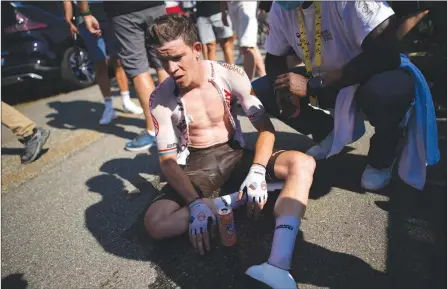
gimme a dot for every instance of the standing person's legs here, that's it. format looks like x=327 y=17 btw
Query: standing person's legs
x=130 y=30
x=26 y=131
x=385 y=99
x=121 y=78
x=155 y=63
x=17 y=122
x=96 y=48
x=207 y=37
x=227 y=45
x=247 y=32
x=224 y=35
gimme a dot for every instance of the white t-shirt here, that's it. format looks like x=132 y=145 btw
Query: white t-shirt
x=344 y=26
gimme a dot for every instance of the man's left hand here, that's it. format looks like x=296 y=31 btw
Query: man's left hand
x=92 y=25
x=256 y=187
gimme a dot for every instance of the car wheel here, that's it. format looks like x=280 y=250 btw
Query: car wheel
x=77 y=69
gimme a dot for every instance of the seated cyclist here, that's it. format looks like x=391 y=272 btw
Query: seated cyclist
x=192 y=114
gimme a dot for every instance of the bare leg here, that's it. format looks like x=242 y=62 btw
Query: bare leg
x=205 y=51
x=227 y=45
x=162 y=75
x=144 y=86
x=165 y=218
x=297 y=169
x=260 y=67
x=121 y=78
x=102 y=78
x=211 y=47
x=249 y=61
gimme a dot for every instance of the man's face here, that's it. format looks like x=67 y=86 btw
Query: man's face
x=180 y=60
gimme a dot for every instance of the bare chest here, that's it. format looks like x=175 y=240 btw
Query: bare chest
x=204 y=107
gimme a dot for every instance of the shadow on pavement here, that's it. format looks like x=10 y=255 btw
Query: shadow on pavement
x=16 y=151
x=109 y=219
x=417 y=227
x=14 y=281
x=32 y=90
x=416 y=230
x=225 y=267
x=12 y=151
x=83 y=114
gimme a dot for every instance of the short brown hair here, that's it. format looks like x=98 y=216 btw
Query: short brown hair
x=170 y=27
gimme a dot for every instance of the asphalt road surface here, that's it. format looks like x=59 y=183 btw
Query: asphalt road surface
x=72 y=219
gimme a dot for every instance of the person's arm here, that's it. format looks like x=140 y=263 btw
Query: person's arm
x=167 y=148
x=409 y=23
x=90 y=21
x=83 y=6
x=276 y=44
x=372 y=25
x=240 y=87
x=274 y=66
x=68 y=13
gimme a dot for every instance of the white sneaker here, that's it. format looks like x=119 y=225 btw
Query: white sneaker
x=131 y=107
x=272 y=276
x=321 y=150
x=107 y=116
x=375 y=179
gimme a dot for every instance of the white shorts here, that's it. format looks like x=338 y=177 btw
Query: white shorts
x=245 y=23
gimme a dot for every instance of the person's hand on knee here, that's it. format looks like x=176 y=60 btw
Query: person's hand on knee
x=254 y=189
x=200 y=217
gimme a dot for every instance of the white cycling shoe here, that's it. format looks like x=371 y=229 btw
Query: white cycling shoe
x=272 y=276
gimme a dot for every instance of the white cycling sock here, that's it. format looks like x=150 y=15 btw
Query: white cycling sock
x=229 y=201
x=283 y=244
x=151 y=132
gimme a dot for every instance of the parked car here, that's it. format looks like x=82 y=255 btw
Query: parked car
x=36 y=44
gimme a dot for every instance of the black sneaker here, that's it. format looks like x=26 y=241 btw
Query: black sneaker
x=33 y=145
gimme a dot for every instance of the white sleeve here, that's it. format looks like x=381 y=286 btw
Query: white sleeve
x=276 y=42
x=240 y=87
x=362 y=17
x=161 y=112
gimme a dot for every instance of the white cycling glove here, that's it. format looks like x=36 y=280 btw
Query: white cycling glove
x=255 y=185
x=199 y=215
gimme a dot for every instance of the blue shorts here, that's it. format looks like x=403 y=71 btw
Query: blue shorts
x=99 y=47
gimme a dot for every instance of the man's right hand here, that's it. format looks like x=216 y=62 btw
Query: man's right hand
x=92 y=25
x=200 y=216
x=73 y=29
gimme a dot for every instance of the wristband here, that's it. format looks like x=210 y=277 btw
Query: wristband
x=260 y=165
x=194 y=200
x=86 y=13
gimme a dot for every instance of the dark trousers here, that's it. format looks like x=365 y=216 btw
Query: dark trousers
x=384 y=98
